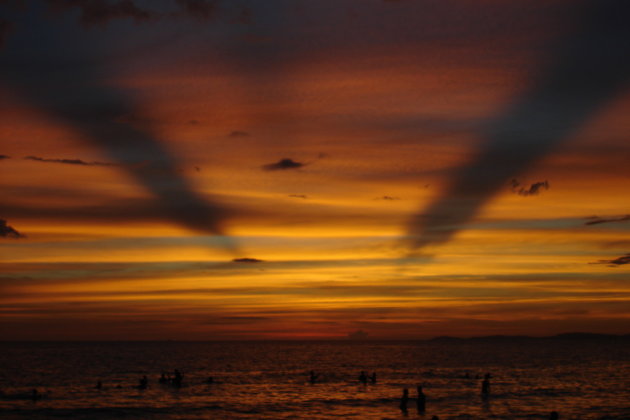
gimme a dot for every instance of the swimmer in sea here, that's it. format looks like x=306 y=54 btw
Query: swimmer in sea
x=144 y=382
x=485 y=386
x=363 y=377
x=421 y=400
x=404 y=400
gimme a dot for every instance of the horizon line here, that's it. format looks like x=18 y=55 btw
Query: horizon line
x=574 y=334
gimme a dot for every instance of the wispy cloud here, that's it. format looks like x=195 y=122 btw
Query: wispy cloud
x=70 y=161
x=247 y=260
x=533 y=189
x=283 y=164
x=302 y=196
x=115 y=210
x=7 y=231
x=595 y=220
x=615 y=262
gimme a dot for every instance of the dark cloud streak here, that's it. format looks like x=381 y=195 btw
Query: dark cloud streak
x=615 y=262
x=7 y=231
x=76 y=94
x=283 y=164
x=588 y=70
x=70 y=161
x=533 y=189
x=595 y=220
x=247 y=260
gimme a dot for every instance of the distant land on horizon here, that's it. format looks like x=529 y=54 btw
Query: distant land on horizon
x=563 y=336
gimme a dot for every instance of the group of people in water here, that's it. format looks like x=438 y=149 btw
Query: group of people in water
x=166 y=379
x=421 y=399
x=363 y=378
x=175 y=380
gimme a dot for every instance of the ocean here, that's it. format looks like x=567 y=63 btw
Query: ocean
x=578 y=378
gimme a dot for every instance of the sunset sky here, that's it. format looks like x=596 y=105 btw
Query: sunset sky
x=299 y=169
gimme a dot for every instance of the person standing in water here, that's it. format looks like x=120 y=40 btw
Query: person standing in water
x=404 y=400
x=373 y=378
x=177 y=378
x=485 y=386
x=421 y=400
x=363 y=377
x=35 y=395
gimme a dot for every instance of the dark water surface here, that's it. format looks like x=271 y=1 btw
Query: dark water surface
x=580 y=379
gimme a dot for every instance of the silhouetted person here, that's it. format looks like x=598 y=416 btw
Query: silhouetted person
x=99 y=385
x=144 y=382
x=363 y=377
x=210 y=380
x=312 y=377
x=485 y=386
x=177 y=378
x=373 y=378
x=35 y=395
x=404 y=400
x=554 y=415
x=163 y=379
x=421 y=400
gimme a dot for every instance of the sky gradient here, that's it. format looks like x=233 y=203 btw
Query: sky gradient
x=296 y=169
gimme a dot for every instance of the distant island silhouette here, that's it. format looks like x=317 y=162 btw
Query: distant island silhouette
x=562 y=336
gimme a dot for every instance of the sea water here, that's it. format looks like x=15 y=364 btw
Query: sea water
x=580 y=379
